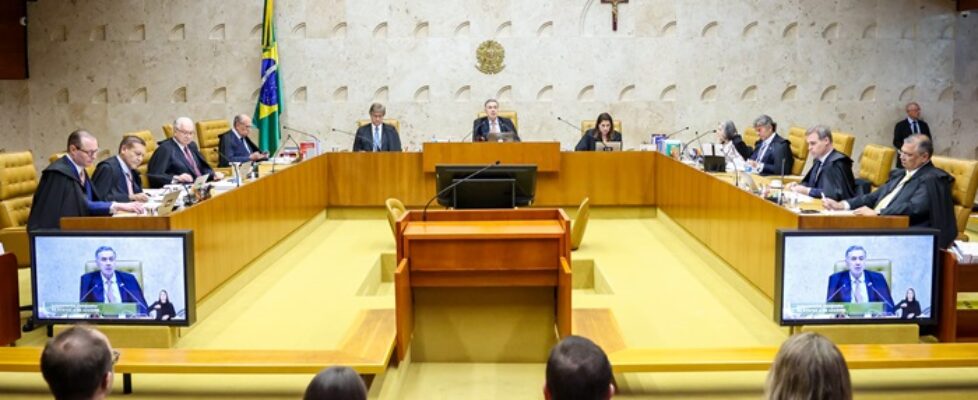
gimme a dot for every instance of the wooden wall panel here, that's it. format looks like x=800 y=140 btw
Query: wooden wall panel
x=368 y=179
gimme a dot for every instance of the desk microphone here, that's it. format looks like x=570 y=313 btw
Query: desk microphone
x=233 y=164
x=424 y=212
x=123 y=287
x=698 y=136
x=467 y=135
x=308 y=135
x=568 y=123
x=368 y=139
x=870 y=285
x=82 y=298
x=677 y=132
x=280 y=147
x=828 y=299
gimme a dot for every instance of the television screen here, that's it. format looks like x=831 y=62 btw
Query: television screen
x=856 y=276
x=521 y=192
x=139 y=278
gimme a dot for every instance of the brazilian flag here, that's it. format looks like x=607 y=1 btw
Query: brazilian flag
x=269 y=106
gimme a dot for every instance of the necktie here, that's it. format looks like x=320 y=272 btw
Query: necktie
x=377 y=138
x=191 y=161
x=818 y=170
x=129 y=182
x=109 y=296
x=244 y=142
x=760 y=154
x=81 y=177
x=890 y=196
x=857 y=293
x=494 y=126
x=916 y=129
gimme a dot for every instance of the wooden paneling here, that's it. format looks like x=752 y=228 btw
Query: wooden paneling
x=13 y=47
x=367 y=179
x=546 y=155
x=9 y=300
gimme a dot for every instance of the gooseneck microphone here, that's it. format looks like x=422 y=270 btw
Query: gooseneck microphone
x=828 y=299
x=698 y=136
x=123 y=287
x=677 y=132
x=368 y=139
x=308 y=135
x=424 y=212
x=882 y=297
x=280 y=147
x=568 y=123
x=82 y=298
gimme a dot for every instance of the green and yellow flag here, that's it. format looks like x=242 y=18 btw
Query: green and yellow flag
x=270 y=105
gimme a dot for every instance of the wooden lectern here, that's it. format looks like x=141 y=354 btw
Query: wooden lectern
x=481 y=249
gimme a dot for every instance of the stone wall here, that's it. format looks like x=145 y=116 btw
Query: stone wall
x=118 y=66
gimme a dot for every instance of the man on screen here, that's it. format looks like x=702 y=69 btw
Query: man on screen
x=492 y=123
x=858 y=285
x=110 y=286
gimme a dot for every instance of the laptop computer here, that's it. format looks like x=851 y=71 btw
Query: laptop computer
x=507 y=136
x=166 y=205
x=607 y=146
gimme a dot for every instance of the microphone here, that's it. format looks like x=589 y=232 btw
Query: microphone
x=827 y=299
x=698 y=136
x=355 y=137
x=123 y=287
x=82 y=298
x=306 y=134
x=870 y=285
x=280 y=147
x=232 y=164
x=568 y=123
x=467 y=135
x=424 y=212
x=677 y=132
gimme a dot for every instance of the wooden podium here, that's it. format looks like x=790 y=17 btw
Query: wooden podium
x=546 y=155
x=481 y=249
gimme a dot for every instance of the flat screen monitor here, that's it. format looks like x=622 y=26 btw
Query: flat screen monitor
x=524 y=178
x=856 y=276
x=123 y=278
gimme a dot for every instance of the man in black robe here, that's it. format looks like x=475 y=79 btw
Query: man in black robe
x=831 y=172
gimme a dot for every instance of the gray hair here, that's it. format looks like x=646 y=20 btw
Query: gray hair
x=377 y=108
x=181 y=121
x=924 y=145
x=490 y=101
x=765 y=120
x=823 y=132
x=728 y=129
x=238 y=119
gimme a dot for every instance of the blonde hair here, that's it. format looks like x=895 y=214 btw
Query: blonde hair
x=808 y=366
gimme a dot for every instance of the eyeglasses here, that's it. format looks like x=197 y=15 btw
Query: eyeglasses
x=902 y=154
x=115 y=356
x=175 y=129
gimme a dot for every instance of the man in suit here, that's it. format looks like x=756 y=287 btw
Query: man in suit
x=65 y=189
x=377 y=136
x=578 y=369
x=909 y=126
x=78 y=363
x=116 y=178
x=920 y=191
x=110 y=286
x=236 y=146
x=178 y=160
x=831 y=172
x=858 y=285
x=492 y=123
x=772 y=153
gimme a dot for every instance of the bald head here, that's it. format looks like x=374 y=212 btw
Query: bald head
x=78 y=364
x=242 y=124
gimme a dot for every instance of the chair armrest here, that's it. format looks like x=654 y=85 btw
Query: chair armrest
x=15 y=240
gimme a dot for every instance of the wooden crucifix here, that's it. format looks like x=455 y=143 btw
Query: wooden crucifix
x=614 y=12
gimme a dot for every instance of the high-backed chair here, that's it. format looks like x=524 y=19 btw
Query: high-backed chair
x=799 y=149
x=589 y=124
x=395 y=208
x=151 y=146
x=843 y=142
x=168 y=130
x=207 y=138
x=511 y=115
x=579 y=225
x=18 y=181
x=874 y=166
x=750 y=137
x=390 y=121
x=965 y=173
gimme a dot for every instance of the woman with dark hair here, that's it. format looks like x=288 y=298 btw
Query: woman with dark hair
x=731 y=141
x=163 y=307
x=603 y=131
x=336 y=383
x=909 y=307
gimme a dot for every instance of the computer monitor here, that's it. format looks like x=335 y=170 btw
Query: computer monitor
x=856 y=277
x=506 y=136
x=130 y=278
x=607 y=146
x=523 y=176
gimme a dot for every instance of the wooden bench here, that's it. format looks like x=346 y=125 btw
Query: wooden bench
x=367 y=349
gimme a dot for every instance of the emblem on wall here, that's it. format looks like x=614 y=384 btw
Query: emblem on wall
x=490 y=56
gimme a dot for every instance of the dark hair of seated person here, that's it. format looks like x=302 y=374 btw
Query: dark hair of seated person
x=336 y=383
x=808 y=366
x=578 y=370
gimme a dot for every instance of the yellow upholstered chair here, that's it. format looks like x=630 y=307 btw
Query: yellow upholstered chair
x=168 y=130
x=580 y=223
x=91 y=168
x=799 y=149
x=589 y=124
x=151 y=146
x=965 y=173
x=875 y=163
x=390 y=121
x=395 y=208
x=511 y=115
x=843 y=142
x=750 y=137
x=18 y=181
x=882 y=266
x=207 y=138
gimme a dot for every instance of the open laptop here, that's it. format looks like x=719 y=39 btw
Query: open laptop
x=166 y=205
x=607 y=146
x=507 y=136
x=747 y=180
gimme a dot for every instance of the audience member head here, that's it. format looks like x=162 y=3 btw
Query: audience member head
x=604 y=126
x=916 y=151
x=913 y=110
x=819 y=138
x=242 y=124
x=183 y=130
x=492 y=108
x=336 y=383
x=82 y=148
x=727 y=131
x=856 y=260
x=765 y=126
x=77 y=364
x=578 y=369
x=377 y=112
x=132 y=150
x=808 y=366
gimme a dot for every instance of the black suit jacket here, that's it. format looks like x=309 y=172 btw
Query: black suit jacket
x=168 y=161
x=60 y=193
x=742 y=148
x=779 y=151
x=902 y=130
x=835 y=180
x=589 y=142
x=364 y=140
x=110 y=182
x=480 y=128
x=231 y=149
x=925 y=198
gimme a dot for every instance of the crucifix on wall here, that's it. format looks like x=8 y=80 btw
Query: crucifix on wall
x=614 y=11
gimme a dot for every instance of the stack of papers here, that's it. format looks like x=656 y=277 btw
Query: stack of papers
x=966 y=252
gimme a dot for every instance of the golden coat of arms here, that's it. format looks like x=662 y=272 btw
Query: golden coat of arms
x=490 y=56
